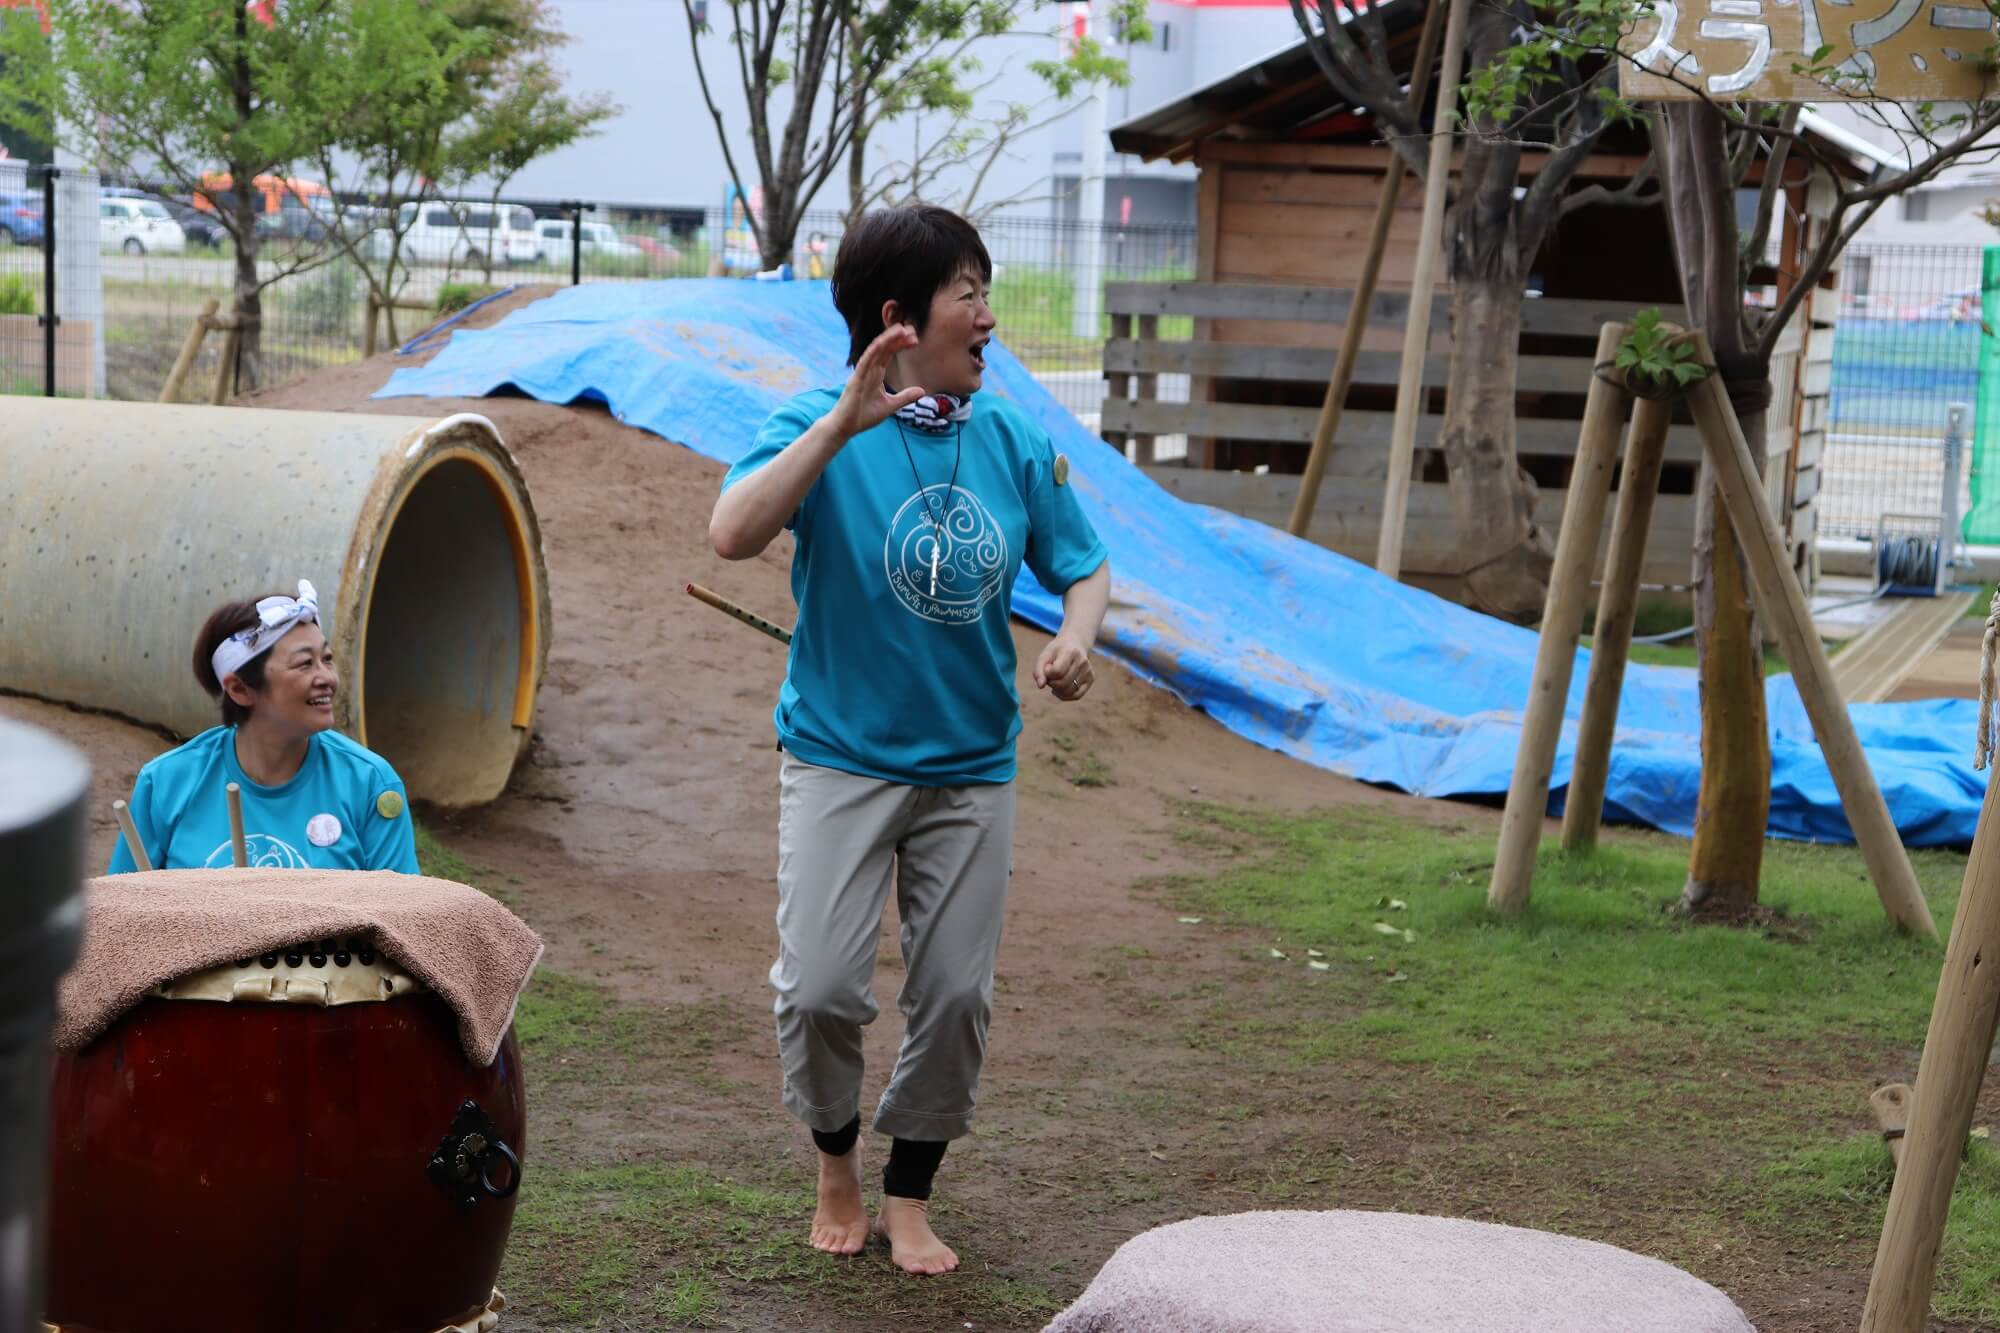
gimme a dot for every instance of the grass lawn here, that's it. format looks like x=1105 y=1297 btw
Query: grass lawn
x=1601 y=1019
x=1597 y=1066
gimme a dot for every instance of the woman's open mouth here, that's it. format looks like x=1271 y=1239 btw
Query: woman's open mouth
x=979 y=354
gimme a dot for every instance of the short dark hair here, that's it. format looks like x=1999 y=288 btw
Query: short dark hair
x=905 y=255
x=225 y=620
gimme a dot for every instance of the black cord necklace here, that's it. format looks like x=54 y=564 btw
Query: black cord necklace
x=936 y=517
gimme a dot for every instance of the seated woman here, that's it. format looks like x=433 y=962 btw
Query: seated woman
x=311 y=797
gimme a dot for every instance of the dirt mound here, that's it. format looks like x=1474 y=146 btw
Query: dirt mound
x=639 y=834
x=654 y=763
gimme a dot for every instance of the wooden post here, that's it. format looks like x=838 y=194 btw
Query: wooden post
x=1617 y=607
x=368 y=334
x=1118 y=383
x=1782 y=605
x=1956 y=1049
x=1146 y=387
x=1417 y=332
x=1891 y=1103
x=1562 y=621
x=1364 y=296
x=190 y=347
x=223 y=372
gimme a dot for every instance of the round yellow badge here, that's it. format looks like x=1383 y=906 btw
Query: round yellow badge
x=1062 y=469
x=389 y=804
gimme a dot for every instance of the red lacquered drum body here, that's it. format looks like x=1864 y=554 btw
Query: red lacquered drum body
x=269 y=1166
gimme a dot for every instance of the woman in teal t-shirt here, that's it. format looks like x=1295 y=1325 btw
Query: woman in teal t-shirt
x=311 y=797
x=915 y=501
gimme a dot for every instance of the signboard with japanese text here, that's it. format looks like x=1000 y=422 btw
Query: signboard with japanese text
x=1746 y=51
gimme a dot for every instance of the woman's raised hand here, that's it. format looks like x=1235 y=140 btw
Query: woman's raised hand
x=866 y=402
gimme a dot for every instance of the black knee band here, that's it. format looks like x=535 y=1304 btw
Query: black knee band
x=840 y=1142
x=913 y=1164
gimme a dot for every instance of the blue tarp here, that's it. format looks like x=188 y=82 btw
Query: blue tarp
x=1281 y=641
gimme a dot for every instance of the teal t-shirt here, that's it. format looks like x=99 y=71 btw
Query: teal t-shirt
x=345 y=809
x=888 y=679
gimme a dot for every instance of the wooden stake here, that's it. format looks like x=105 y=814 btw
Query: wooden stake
x=1417 y=332
x=1364 y=295
x=1617 y=607
x=131 y=831
x=368 y=336
x=1891 y=1103
x=239 y=849
x=1956 y=1049
x=1782 y=604
x=1562 y=621
x=190 y=346
x=223 y=372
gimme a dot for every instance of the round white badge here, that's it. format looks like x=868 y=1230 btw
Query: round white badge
x=322 y=830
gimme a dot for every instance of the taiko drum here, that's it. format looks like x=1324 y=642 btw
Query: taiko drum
x=296 y=1142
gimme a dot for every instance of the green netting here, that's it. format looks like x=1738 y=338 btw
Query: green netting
x=1982 y=521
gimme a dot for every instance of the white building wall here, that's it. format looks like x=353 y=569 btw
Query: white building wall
x=662 y=147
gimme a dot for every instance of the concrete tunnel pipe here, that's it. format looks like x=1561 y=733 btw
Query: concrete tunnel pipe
x=127 y=523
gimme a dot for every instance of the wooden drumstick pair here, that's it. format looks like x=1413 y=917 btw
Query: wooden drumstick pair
x=239 y=849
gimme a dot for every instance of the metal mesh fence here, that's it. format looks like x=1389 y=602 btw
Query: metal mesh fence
x=138 y=263
x=134 y=266
x=1905 y=348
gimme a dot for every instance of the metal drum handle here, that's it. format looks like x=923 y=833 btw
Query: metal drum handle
x=463 y=1164
x=506 y=1191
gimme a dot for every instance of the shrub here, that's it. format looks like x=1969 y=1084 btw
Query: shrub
x=454 y=296
x=17 y=294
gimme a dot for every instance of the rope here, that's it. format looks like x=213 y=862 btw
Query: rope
x=1983 y=749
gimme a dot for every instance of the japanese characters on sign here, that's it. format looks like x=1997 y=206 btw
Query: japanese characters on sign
x=1745 y=51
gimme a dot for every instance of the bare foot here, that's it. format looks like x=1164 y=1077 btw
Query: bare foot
x=841 y=1224
x=906 y=1224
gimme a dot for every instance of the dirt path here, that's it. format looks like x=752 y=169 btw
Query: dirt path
x=638 y=838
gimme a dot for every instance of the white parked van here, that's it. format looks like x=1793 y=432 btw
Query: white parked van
x=462 y=232
x=552 y=237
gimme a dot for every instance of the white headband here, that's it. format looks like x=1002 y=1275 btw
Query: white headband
x=275 y=618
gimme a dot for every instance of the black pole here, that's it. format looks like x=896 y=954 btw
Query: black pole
x=49 y=321
x=575 y=242
x=43 y=785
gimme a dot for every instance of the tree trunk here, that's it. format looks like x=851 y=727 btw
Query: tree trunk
x=1505 y=557
x=1734 y=805
x=1735 y=800
x=247 y=302
x=857 y=177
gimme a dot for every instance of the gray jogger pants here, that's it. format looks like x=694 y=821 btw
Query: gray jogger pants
x=842 y=838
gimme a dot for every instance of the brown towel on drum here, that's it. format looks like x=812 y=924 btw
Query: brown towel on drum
x=141 y=930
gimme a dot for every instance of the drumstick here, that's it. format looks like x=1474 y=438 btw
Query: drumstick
x=131 y=832
x=727 y=607
x=237 y=847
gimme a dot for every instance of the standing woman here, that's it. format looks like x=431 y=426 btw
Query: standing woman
x=311 y=797
x=913 y=507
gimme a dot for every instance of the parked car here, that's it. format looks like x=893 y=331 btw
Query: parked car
x=461 y=232
x=600 y=239
x=20 y=219
x=662 y=255
x=138 y=227
x=310 y=218
x=201 y=229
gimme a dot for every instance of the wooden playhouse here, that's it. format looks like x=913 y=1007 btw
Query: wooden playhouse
x=1288 y=186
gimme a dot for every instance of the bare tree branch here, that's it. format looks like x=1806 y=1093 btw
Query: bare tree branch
x=721 y=130
x=1632 y=194
x=1767 y=192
